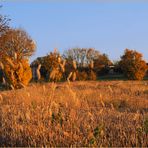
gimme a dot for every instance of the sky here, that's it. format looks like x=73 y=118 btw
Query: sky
x=107 y=26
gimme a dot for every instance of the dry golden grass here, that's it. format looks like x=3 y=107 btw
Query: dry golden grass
x=104 y=114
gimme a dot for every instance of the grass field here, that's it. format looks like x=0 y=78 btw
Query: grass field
x=102 y=113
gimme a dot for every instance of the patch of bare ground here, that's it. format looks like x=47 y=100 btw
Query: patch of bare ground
x=110 y=113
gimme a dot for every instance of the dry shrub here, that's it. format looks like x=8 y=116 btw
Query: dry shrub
x=18 y=74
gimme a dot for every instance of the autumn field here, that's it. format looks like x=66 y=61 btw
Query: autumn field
x=106 y=113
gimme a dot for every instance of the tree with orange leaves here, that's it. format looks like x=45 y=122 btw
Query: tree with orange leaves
x=15 y=49
x=132 y=64
x=54 y=65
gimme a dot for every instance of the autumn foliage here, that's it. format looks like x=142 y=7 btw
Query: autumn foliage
x=16 y=46
x=133 y=66
x=54 y=66
x=18 y=74
x=15 y=49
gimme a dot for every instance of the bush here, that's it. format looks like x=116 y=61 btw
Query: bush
x=55 y=66
x=92 y=75
x=132 y=64
x=18 y=74
x=82 y=76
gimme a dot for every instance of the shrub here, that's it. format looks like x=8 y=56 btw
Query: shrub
x=18 y=74
x=132 y=64
x=92 y=75
x=55 y=66
x=82 y=76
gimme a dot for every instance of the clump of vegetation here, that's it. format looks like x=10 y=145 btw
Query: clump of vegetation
x=133 y=66
x=92 y=76
x=145 y=125
x=55 y=66
x=16 y=47
x=83 y=58
x=18 y=74
x=101 y=64
x=91 y=72
x=71 y=70
x=82 y=76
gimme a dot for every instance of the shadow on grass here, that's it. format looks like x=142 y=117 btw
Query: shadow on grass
x=115 y=78
x=111 y=77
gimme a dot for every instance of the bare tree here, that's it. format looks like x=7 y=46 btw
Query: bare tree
x=82 y=56
x=4 y=23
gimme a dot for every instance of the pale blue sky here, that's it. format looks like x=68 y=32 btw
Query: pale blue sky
x=109 y=27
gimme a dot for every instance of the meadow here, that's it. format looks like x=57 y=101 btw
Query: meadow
x=90 y=113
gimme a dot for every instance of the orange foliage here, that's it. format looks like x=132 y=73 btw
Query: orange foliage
x=18 y=73
x=55 y=66
x=132 y=64
x=15 y=48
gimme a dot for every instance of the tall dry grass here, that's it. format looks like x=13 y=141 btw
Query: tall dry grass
x=77 y=114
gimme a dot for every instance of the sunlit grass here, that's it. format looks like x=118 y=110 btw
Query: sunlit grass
x=110 y=113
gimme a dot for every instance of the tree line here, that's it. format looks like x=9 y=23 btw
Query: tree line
x=16 y=47
x=89 y=64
